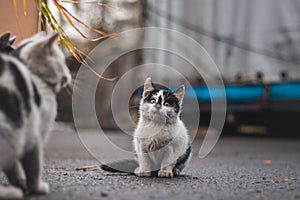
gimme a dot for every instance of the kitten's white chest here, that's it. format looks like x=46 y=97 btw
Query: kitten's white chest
x=153 y=138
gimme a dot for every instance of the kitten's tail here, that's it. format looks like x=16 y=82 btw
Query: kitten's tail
x=121 y=166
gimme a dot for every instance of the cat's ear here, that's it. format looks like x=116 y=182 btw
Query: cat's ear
x=148 y=87
x=179 y=93
x=12 y=40
x=4 y=39
x=52 y=39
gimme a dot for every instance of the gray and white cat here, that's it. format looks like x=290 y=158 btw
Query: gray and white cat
x=29 y=82
x=161 y=140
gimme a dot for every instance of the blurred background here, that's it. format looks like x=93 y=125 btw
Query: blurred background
x=254 y=43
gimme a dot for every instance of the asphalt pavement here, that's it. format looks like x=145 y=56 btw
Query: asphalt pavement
x=237 y=168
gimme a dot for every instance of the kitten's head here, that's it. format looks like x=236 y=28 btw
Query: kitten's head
x=45 y=59
x=160 y=106
x=6 y=43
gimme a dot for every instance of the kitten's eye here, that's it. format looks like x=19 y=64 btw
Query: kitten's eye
x=152 y=101
x=166 y=104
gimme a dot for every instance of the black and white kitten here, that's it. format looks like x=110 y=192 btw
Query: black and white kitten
x=161 y=140
x=30 y=78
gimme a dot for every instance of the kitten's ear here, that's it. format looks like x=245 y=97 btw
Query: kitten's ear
x=12 y=40
x=148 y=87
x=52 y=39
x=179 y=93
x=4 y=39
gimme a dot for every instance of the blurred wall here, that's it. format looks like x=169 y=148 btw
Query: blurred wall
x=242 y=36
x=17 y=23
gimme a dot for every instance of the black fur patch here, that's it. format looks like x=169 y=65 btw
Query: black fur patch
x=6 y=49
x=159 y=100
x=37 y=97
x=122 y=166
x=172 y=100
x=183 y=159
x=21 y=85
x=10 y=105
x=2 y=66
x=150 y=95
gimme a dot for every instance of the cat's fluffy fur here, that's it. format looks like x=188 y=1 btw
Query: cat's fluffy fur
x=160 y=138
x=29 y=82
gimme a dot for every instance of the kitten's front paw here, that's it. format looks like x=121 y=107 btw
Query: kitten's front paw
x=142 y=173
x=10 y=193
x=43 y=188
x=19 y=182
x=176 y=172
x=165 y=173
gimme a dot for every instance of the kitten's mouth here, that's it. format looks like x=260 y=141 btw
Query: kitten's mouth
x=156 y=112
x=157 y=116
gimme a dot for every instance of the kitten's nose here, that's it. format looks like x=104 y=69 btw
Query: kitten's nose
x=157 y=106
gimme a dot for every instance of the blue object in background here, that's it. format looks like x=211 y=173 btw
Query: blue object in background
x=204 y=94
x=285 y=91
x=246 y=92
x=233 y=92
